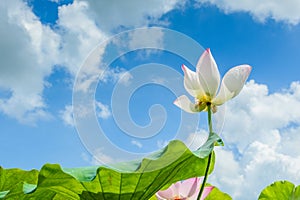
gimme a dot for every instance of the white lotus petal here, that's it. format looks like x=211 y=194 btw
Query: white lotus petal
x=208 y=74
x=185 y=104
x=232 y=83
x=191 y=82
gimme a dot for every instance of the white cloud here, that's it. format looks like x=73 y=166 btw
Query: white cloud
x=261 y=136
x=195 y=140
x=141 y=38
x=136 y=143
x=28 y=55
x=100 y=158
x=227 y=174
x=111 y=15
x=125 y=77
x=102 y=110
x=84 y=24
x=80 y=34
x=67 y=115
x=287 y=11
x=150 y=40
x=256 y=112
x=117 y=74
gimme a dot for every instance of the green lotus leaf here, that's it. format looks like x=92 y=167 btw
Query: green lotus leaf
x=217 y=194
x=130 y=180
x=13 y=180
x=280 y=190
x=148 y=178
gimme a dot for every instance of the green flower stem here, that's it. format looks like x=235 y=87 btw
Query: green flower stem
x=209 y=156
x=209 y=118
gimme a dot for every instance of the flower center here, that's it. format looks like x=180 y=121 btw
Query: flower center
x=178 y=198
x=204 y=98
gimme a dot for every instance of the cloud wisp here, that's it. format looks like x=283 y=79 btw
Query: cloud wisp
x=287 y=12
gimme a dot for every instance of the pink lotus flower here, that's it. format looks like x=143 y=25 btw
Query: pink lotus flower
x=184 y=190
x=204 y=84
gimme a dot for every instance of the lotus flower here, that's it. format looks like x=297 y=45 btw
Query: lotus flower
x=184 y=190
x=204 y=84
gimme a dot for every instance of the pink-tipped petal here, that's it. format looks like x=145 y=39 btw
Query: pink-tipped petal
x=189 y=187
x=206 y=192
x=169 y=193
x=176 y=187
x=208 y=74
x=162 y=195
x=185 y=104
x=191 y=82
x=232 y=83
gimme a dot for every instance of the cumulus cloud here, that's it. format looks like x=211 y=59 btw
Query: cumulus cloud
x=79 y=32
x=258 y=114
x=85 y=24
x=261 y=135
x=262 y=9
x=28 y=56
x=131 y=14
x=197 y=139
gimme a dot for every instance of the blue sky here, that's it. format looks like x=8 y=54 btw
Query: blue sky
x=45 y=44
